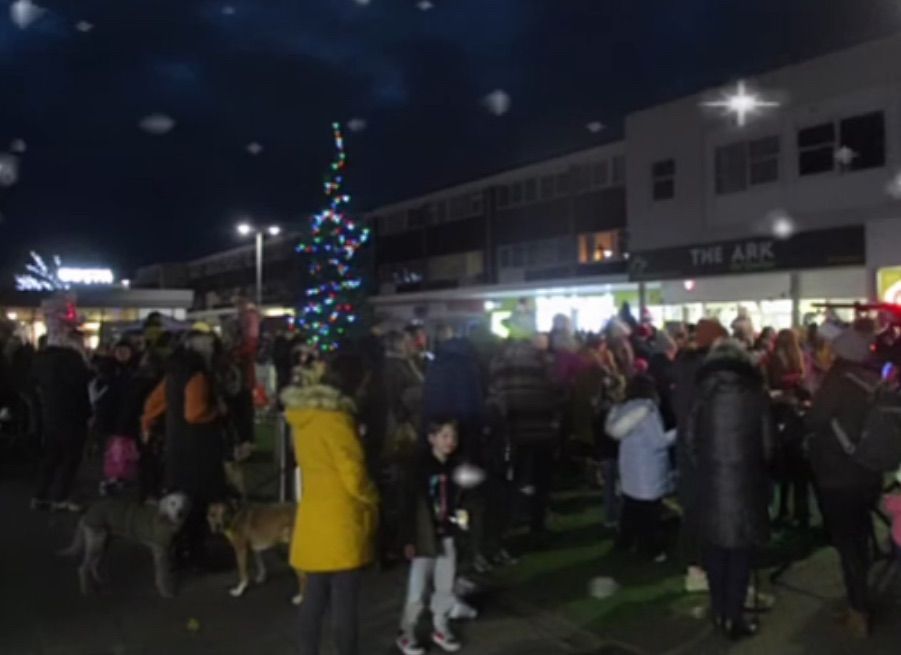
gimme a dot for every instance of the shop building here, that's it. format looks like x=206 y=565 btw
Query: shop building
x=798 y=205
x=695 y=213
x=553 y=232
x=218 y=279
x=100 y=308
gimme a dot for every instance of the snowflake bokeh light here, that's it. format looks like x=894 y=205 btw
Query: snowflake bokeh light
x=781 y=225
x=497 y=102
x=24 y=13
x=845 y=156
x=595 y=127
x=157 y=124
x=741 y=103
x=893 y=188
x=254 y=148
x=357 y=124
x=9 y=169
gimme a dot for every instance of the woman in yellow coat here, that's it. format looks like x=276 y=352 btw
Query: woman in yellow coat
x=337 y=516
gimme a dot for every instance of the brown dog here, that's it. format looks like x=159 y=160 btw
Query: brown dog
x=257 y=528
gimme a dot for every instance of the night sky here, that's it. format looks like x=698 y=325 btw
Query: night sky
x=96 y=188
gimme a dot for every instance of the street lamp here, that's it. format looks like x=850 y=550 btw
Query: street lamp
x=246 y=229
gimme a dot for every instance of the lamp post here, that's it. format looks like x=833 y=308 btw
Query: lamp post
x=245 y=230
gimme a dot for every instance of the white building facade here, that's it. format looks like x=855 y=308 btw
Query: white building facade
x=798 y=206
x=801 y=204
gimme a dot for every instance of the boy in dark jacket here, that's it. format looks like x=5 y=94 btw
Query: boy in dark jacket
x=429 y=525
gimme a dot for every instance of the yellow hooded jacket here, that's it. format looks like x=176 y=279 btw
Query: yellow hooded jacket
x=338 y=512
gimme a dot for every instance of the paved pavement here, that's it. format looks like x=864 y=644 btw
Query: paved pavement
x=42 y=613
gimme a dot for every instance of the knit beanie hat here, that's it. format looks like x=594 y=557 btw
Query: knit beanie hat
x=708 y=332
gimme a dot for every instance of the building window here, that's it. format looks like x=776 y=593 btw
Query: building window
x=763 y=160
x=530 y=190
x=440 y=211
x=563 y=184
x=536 y=254
x=581 y=176
x=599 y=174
x=503 y=196
x=663 y=179
x=477 y=204
x=747 y=163
x=865 y=136
x=547 y=187
x=599 y=247
x=860 y=138
x=393 y=224
x=516 y=193
x=619 y=171
x=816 y=149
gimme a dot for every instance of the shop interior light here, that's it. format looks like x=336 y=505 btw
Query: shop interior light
x=490 y=305
x=689 y=285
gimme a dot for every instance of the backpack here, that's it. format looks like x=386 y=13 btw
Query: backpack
x=878 y=446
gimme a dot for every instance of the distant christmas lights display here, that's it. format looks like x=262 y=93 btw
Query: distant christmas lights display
x=39 y=276
x=327 y=311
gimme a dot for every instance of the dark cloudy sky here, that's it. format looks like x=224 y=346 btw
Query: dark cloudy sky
x=94 y=186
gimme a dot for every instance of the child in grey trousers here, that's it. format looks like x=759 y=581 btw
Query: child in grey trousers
x=429 y=524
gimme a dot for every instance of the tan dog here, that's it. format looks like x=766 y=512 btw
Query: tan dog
x=257 y=528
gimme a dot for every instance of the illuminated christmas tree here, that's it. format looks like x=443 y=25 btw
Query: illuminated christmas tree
x=327 y=311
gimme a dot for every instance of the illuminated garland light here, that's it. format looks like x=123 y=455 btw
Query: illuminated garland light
x=326 y=312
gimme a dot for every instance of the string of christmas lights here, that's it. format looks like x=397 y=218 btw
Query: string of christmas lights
x=327 y=312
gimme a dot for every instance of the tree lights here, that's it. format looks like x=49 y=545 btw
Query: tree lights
x=327 y=310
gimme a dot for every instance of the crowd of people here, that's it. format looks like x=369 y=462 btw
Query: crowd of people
x=165 y=409
x=738 y=426
x=433 y=448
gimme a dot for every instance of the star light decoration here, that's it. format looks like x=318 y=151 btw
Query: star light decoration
x=327 y=310
x=741 y=103
x=38 y=276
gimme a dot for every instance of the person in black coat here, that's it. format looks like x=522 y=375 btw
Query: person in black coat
x=61 y=376
x=847 y=491
x=684 y=391
x=731 y=444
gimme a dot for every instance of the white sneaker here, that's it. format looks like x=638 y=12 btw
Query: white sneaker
x=446 y=641
x=408 y=646
x=463 y=612
x=696 y=581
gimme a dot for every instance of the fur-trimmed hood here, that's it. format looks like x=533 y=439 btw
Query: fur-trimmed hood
x=317 y=396
x=624 y=419
x=729 y=356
